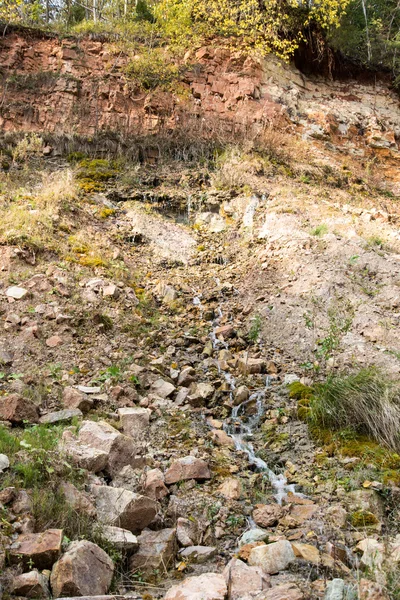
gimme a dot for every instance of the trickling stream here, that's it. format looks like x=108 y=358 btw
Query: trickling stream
x=240 y=427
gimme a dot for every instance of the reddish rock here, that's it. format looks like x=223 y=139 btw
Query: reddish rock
x=73 y=398
x=54 y=341
x=31 y=585
x=78 y=500
x=244 y=582
x=17 y=409
x=39 y=550
x=154 y=486
x=286 y=591
x=157 y=550
x=209 y=586
x=185 y=468
x=225 y=331
x=267 y=515
x=84 y=570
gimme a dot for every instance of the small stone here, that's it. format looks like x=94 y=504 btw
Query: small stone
x=39 y=550
x=198 y=554
x=244 y=582
x=231 y=488
x=186 y=468
x=334 y=589
x=15 y=292
x=111 y=291
x=73 y=398
x=370 y=590
x=4 y=462
x=154 y=486
x=225 y=331
x=61 y=415
x=85 y=569
x=307 y=552
x=187 y=532
x=17 y=409
x=162 y=388
x=122 y=539
x=54 y=341
x=157 y=550
x=253 y=535
x=199 y=393
x=135 y=421
x=286 y=591
x=336 y=515
x=187 y=376
x=250 y=366
x=221 y=438
x=267 y=515
x=87 y=389
x=272 y=558
x=241 y=395
x=31 y=585
x=7 y=495
x=209 y=586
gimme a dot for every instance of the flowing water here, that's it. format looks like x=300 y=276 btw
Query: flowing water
x=240 y=427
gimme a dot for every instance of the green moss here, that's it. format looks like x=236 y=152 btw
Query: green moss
x=300 y=391
x=363 y=518
x=92 y=174
x=303 y=413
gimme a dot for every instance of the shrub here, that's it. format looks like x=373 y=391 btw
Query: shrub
x=153 y=69
x=365 y=402
x=30 y=144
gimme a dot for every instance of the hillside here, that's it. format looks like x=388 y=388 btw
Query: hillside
x=199 y=298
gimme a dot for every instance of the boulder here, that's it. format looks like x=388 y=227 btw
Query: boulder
x=122 y=539
x=267 y=515
x=244 y=582
x=40 y=550
x=84 y=456
x=307 y=552
x=250 y=366
x=73 y=398
x=4 y=462
x=121 y=450
x=225 y=331
x=198 y=554
x=85 y=569
x=154 y=486
x=209 y=586
x=162 y=388
x=31 y=585
x=123 y=508
x=135 y=421
x=272 y=558
x=187 y=532
x=241 y=395
x=157 y=551
x=186 y=377
x=78 y=500
x=17 y=409
x=185 y=468
x=221 y=438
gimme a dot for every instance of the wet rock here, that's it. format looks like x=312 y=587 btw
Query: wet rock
x=135 y=421
x=17 y=409
x=31 y=585
x=16 y=293
x=78 y=500
x=4 y=462
x=162 y=388
x=39 y=550
x=199 y=393
x=267 y=515
x=186 y=468
x=85 y=569
x=307 y=552
x=123 y=508
x=154 y=486
x=187 y=532
x=231 y=488
x=121 y=450
x=84 y=456
x=209 y=586
x=122 y=539
x=241 y=395
x=244 y=582
x=198 y=554
x=286 y=591
x=272 y=558
x=187 y=376
x=157 y=550
x=221 y=438
x=61 y=415
x=73 y=398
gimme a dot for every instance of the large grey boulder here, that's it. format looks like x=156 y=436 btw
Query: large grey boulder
x=122 y=508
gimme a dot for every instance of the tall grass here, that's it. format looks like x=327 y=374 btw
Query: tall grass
x=367 y=402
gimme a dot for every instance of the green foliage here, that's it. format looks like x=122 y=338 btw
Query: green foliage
x=320 y=230
x=365 y=402
x=255 y=329
x=153 y=69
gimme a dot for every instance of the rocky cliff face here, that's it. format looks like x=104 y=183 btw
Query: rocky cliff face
x=79 y=86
